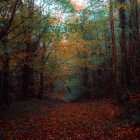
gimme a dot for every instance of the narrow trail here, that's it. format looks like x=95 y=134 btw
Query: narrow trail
x=43 y=120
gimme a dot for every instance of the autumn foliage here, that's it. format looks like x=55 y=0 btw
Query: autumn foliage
x=69 y=70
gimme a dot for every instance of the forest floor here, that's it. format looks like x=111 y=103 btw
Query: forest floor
x=56 y=120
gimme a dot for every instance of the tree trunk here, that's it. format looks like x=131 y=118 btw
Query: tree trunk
x=1 y=87
x=85 y=82
x=123 y=45
x=41 y=88
x=25 y=82
x=5 y=70
x=114 y=49
x=136 y=39
x=132 y=47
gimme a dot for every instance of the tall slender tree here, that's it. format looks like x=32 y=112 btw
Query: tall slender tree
x=123 y=44
x=114 y=48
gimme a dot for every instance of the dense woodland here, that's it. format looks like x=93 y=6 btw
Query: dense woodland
x=56 y=49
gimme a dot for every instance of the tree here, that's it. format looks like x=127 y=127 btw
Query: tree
x=114 y=48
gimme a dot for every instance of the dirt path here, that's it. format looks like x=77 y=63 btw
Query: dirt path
x=43 y=120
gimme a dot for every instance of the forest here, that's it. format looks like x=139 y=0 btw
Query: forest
x=69 y=69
